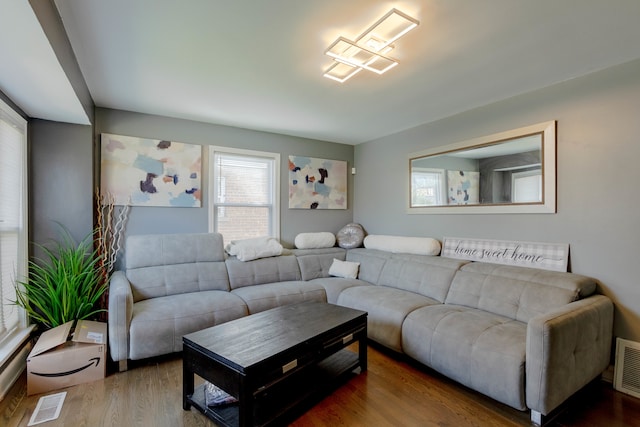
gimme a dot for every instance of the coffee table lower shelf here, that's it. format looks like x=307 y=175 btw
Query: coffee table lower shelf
x=285 y=400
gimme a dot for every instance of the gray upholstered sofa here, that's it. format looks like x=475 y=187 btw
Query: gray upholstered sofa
x=528 y=338
x=176 y=284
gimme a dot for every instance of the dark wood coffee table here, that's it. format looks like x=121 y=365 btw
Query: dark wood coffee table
x=273 y=362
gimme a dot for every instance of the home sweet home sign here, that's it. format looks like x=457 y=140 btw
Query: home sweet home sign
x=548 y=256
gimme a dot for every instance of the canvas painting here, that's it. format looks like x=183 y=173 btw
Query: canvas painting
x=317 y=183
x=464 y=187
x=151 y=172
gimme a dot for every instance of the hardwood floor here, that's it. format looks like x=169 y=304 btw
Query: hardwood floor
x=393 y=392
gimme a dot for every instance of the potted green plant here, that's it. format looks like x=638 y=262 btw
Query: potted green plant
x=65 y=284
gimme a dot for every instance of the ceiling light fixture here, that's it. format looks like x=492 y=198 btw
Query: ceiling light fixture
x=347 y=52
x=367 y=51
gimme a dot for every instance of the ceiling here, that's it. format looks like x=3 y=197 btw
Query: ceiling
x=29 y=71
x=259 y=64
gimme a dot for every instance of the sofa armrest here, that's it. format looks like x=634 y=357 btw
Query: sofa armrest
x=120 y=312
x=566 y=349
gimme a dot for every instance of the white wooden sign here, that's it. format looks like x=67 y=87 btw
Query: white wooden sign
x=548 y=256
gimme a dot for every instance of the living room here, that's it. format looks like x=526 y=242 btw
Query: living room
x=595 y=107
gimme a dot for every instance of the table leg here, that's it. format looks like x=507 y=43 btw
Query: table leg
x=187 y=380
x=362 y=351
x=245 y=401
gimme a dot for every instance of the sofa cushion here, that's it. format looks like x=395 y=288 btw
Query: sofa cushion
x=481 y=350
x=424 y=275
x=263 y=270
x=315 y=263
x=152 y=282
x=387 y=308
x=165 y=249
x=158 y=324
x=270 y=295
x=168 y=264
x=371 y=263
x=519 y=293
x=334 y=286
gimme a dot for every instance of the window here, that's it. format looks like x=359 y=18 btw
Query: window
x=527 y=186
x=244 y=193
x=427 y=187
x=13 y=224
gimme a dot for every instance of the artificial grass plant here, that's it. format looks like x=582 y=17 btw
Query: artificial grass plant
x=65 y=284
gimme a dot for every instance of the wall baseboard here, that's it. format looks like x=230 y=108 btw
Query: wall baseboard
x=13 y=370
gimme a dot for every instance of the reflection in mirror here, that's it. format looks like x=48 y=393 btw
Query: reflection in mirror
x=509 y=171
x=505 y=172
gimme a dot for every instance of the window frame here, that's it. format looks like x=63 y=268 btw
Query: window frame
x=441 y=189
x=275 y=178
x=13 y=339
x=515 y=176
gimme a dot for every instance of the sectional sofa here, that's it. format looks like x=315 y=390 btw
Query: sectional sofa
x=528 y=338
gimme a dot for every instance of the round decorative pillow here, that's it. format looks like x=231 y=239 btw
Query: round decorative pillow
x=350 y=236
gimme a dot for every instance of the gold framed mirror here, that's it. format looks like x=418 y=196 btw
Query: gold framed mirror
x=507 y=172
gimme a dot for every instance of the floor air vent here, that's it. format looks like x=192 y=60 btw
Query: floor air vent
x=48 y=408
x=627 y=371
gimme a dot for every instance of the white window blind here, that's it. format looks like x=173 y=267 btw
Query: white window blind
x=13 y=216
x=244 y=200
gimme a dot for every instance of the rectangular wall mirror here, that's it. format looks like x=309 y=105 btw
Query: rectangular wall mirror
x=508 y=172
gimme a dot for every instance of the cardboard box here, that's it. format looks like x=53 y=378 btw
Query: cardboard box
x=57 y=361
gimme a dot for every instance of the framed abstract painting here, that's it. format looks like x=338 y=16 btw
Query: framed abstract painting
x=464 y=187
x=317 y=183
x=151 y=172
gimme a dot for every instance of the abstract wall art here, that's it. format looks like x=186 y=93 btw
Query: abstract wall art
x=464 y=187
x=317 y=183
x=151 y=172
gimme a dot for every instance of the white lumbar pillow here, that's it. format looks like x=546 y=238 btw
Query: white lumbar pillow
x=323 y=239
x=346 y=269
x=403 y=244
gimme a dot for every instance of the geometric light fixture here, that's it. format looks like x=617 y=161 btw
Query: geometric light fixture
x=368 y=51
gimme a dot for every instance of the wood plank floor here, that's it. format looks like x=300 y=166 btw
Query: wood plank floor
x=393 y=392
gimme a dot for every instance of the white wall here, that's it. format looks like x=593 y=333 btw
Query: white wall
x=598 y=210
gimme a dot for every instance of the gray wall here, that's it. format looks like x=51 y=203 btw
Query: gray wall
x=185 y=220
x=61 y=161
x=598 y=128
x=61 y=185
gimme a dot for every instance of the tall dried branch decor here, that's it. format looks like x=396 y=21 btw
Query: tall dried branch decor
x=111 y=226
